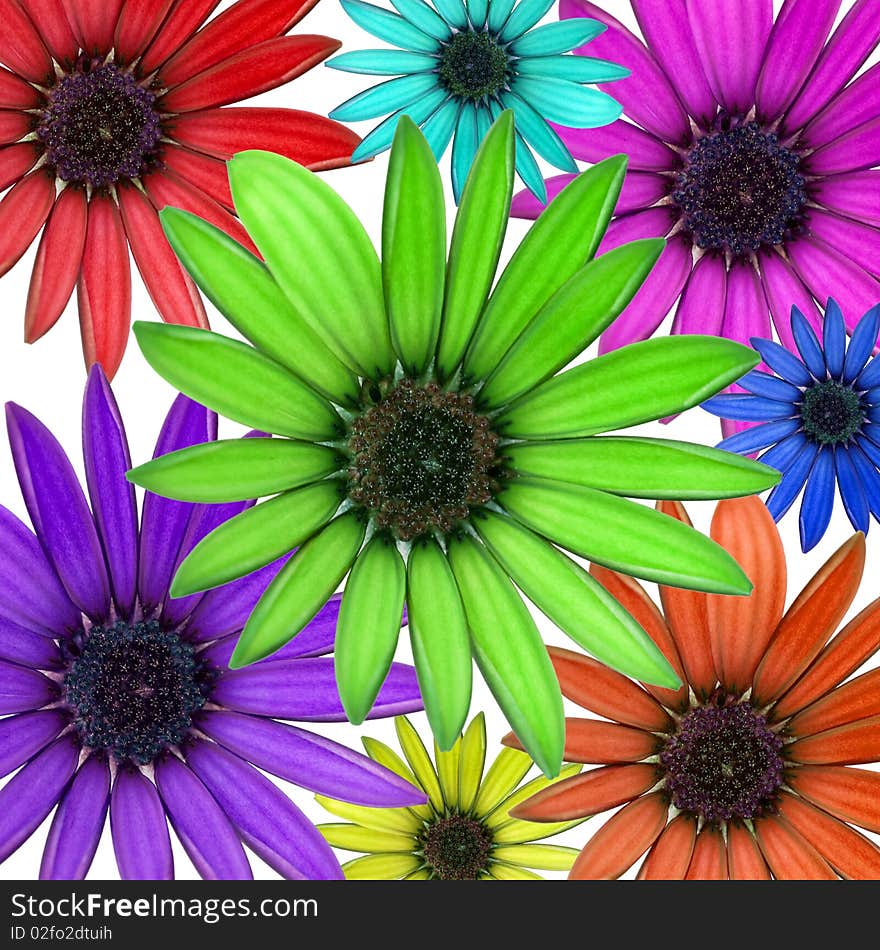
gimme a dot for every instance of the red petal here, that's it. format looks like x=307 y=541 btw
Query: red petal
x=14 y=125
x=138 y=24
x=850 y=794
x=709 y=861
x=309 y=139
x=670 y=857
x=601 y=743
x=790 y=857
x=52 y=25
x=23 y=211
x=15 y=93
x=853 y=744
x=21 y=48
x=185 y=18
x=172 y=291
x=744 y=860
x=104 y=288
x=857 y=699
x=810 y=621
x=94 y=22
x=208 y=174
x=58 y=263
x=16 y=161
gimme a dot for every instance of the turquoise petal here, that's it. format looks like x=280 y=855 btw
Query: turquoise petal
x=575 y=68
x=557 y=37
x=452 y=11
x=380 y=138
x=464 y=147
x=524 y=17
x=526 y=166
x=567 y=103
x=384 y=62
x=439 y=127
x=385 y=98
x=389 y=26
x=423 y=18
x=499 y=11
x=542 y=138
x=477 y=10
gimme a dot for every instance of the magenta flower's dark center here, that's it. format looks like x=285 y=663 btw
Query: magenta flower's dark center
x=473 y=65
x=831 y=413
x=723 y=762
x=421 y=459
x=456 y=848
x=740 y=189
x=99 y=126
x=133 y=689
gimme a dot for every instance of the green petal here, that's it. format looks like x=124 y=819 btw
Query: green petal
x=368 y=840
x=237 y=381
x=385 y=755
x=510 y=653
x=637 y=383
x=544 y=857
x=477 y=237
x=624 y=535
x=558 y=244
x=369 y=626
x=573 y=317
x=398 y=820
x=509 y=872
x=256 y=537
x=236 y=469
x=242 y=289
x=440 y=641
x=643 y=468
x=575 y=601
x=381 y=867
x=420 y=762
x=413 y=247
x=320 y=255
x=447 y=771
x=473 y=758
x=300 y=589
x=505 y=773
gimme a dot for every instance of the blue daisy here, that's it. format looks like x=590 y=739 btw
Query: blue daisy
x=819 y=420
x=458 y=66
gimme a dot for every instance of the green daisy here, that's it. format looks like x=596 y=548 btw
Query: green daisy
x=464 y=832
x=430 y=446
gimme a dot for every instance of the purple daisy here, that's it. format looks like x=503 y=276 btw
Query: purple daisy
x=752 y=150
x=118 y=697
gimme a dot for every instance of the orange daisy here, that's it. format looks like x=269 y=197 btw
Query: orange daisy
x=745 y=772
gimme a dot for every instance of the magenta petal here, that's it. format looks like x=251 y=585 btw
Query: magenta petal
x=641 y=190
x=24 y=736
x=23 y=646
x=644 y=152
x=22 y=689
x=650 y=223
x=784 y=290
x=529 y=206
x=851 y=152
x=701 y=308
x=745 y=310
x=856 y=195
x=140 y=832
x=858 y=242
x=856 y=105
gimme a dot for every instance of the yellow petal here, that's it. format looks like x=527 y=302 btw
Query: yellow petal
x=420 y=762
x=368 y=840
x=385 y=755
x=420 y=875
x=510 y=872
x=381 y=867
x=545 y=857
x=504 y=774
x=500 y=815
x=400 y=820
x=447 y=770
x=473 y=758
x=516 y=831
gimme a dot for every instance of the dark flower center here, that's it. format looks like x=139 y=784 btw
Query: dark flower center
x=473 y=65
x=421 y=459
x=133 y=689
x=740 y=189
x=831 y=412
x=99 y=126
x=456 y=848
x=723 y=762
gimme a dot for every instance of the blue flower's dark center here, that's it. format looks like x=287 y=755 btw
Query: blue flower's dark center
x=133 y=689
x=99 y=126
x=831 y=413
x=421 y=458
x=456 y=848
x=723 y=762
x=474 y=65
x=740 y=189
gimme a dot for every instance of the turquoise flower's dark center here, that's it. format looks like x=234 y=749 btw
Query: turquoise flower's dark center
x=421 y=459
x=99 y=126
x=133 y=689
x=723 y=762
x=473 y=65
x=740 y=189
x=456 y=848
x=831 y=413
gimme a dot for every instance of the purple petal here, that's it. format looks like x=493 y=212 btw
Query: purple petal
x=851 y=152
x=24 y=736
x=650 y=223
x=140 y=832
x=22 y=689
x=59 y=511
x=78 y=823
x=310 y=760
x=107 y=459
x=305 y=690
x=856 y=195
x=529 y=206
x=701 y=308
x=784 y=289
x=267 y=820
x=860 y=243
x=27 y=648
x=28 y=797
x=201 y=824
x=644 y=152
x=856 y=105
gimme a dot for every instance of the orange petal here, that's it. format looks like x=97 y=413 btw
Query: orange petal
x=857 y=699
x=588 y=793
x=744 y=860
x=741 y=627
x=850 y=794
x=709 y=860
x=851 y=854
x=858 y=640
x=670 y=857
x=852 y=744
x=810 y=621
x=594 y=686
x=601 y=743
x=790 y=857
x=622 y=840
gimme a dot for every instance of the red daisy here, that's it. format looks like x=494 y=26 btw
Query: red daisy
x=110 y=110
x=745 y=772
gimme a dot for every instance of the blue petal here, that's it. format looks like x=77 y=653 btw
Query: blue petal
x=539 y=134
x=818 y=500
x=383 y=62
x=557 y=37
x=872 y=431
x=772 y=387
x=861 y=344
x=783 y=495
x=464 y=147
x=871 y=449
x=873 y=412
x=477 y=10
x=381 y=137
x=851 y=494
x=389 y=26
x=746 y=408
x=423 y=18
x=782 y=362
x=575 y=68
x=759 y=437
x=452 y=11
x=870 y=375
x=385 y=98
x=872 y=396
x=783 y=454
x=834 y=337
x=439 y=127
x=524 y=17
x=567 y=103
x=499 y=11
x=808 y=344
x=869 y=477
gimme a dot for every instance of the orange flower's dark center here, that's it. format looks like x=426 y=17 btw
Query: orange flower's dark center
x=456 y=848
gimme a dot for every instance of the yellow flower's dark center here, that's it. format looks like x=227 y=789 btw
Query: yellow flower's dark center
x=474 y=65
x=831 y=413
x=456 y=848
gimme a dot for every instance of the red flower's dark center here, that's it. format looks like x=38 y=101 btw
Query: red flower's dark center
x=473 y=65
x=740 y=189
x=456 y=848
x=723 y=762
x=99 y=126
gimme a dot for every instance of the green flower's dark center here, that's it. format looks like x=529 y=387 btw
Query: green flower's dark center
x=723 y=762
x=99 y=126
x=421 y=459
x=831 y=413
x=456 y=848
x=473 y=65
x=133 y=689
x=740 y=189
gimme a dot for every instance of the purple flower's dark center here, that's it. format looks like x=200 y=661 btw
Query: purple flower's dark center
x=723 y=762
x=456 y=848
x=99 y=126
x=421 y=459
x=740 y=189
x=473 y=65
x=831 y=413
x=133 y=689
